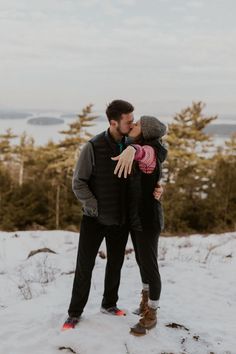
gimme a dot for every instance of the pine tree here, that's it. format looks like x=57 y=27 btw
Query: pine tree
x=75 y=137
x=188 y=168
x=221 y=203
x=5 y=145
x=24 y=155
x=187 y=142
x=62 y=156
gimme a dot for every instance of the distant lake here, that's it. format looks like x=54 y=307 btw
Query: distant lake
x=223 y=126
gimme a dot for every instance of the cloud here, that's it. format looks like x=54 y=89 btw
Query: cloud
x=94 y=49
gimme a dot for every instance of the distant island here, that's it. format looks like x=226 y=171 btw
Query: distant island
x=221 y=129
x=45 y=121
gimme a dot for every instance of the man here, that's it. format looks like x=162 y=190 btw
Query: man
x=104 y=203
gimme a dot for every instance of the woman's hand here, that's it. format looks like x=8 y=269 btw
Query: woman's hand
x=158 y=191
x=125 y=161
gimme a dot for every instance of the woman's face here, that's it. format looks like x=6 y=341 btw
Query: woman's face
x=136 y=132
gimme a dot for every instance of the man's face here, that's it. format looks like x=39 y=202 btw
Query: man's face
x=125 y=124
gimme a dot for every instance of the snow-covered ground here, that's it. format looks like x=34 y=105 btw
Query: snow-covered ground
x=199 y=293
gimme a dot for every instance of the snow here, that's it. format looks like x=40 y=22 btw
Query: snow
x=198 y=292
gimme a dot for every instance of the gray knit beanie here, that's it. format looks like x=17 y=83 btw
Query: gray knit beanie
x=152 y=128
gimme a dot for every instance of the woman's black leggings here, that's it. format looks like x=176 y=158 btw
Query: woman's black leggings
x=146 y=252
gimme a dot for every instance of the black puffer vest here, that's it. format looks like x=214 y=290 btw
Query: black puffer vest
x=109 y=190
x=145 y=212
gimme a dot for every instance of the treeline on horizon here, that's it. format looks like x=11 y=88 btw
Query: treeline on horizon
x=199 y=181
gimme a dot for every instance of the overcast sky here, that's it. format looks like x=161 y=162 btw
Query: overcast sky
x=159 y=54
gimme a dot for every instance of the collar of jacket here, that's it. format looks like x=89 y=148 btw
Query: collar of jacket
x=111 y=141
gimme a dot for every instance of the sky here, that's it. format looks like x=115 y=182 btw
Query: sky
x=158 y=54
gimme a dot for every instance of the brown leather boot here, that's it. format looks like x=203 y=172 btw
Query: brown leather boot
x=143 y=304
x=148 y=321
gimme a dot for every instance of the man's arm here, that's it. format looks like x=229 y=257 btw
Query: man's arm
x=81 y=176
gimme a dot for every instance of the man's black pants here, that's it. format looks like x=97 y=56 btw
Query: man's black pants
x=146 y=253
x=92 y=234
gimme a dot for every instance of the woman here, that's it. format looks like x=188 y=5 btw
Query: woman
x=146 y=215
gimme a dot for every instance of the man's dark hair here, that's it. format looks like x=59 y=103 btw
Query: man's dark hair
x=118 y=107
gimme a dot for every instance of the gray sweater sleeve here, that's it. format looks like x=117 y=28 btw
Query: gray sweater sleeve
x=81 y=176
